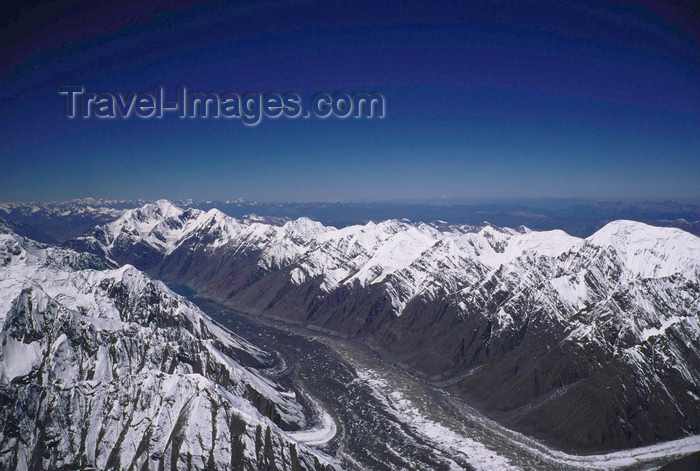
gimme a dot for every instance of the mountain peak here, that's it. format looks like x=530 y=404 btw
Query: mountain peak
x=164 y=206
x=650 y=251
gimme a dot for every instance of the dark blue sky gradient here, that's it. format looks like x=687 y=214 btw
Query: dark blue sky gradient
x=489 y=100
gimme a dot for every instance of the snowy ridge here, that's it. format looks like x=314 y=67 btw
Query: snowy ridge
x=410 y=260
x=422 y=261
x=651 y=252
x=132 y=374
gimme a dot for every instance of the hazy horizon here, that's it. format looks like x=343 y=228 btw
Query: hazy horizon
x=446 y=201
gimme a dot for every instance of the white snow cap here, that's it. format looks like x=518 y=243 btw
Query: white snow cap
x=410 y=259
x=650 y=251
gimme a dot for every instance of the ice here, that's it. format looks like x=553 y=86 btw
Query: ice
x=18 y=358
x=649 y=251
x=449 y=441
x=320 y=435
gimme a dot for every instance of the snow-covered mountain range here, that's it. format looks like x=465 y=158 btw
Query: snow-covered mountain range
x=102 y=367
x=58 y=221
x=592 y=343
x=410 y=260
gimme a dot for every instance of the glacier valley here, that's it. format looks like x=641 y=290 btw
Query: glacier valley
x=387 y=345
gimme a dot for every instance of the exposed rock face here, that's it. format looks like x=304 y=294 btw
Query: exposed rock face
x=591 y=343
x=105 y=368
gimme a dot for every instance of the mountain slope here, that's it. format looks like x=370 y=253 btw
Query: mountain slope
x=58 y=221
x=591 y=343
x=103 y=367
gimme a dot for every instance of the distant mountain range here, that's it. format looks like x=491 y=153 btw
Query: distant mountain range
x=52 y=222
x=591 y=343
x=59 y=221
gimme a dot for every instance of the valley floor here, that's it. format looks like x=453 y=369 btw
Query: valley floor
x=372 y=415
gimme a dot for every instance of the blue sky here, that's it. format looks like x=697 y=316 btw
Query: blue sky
x=490 y=100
